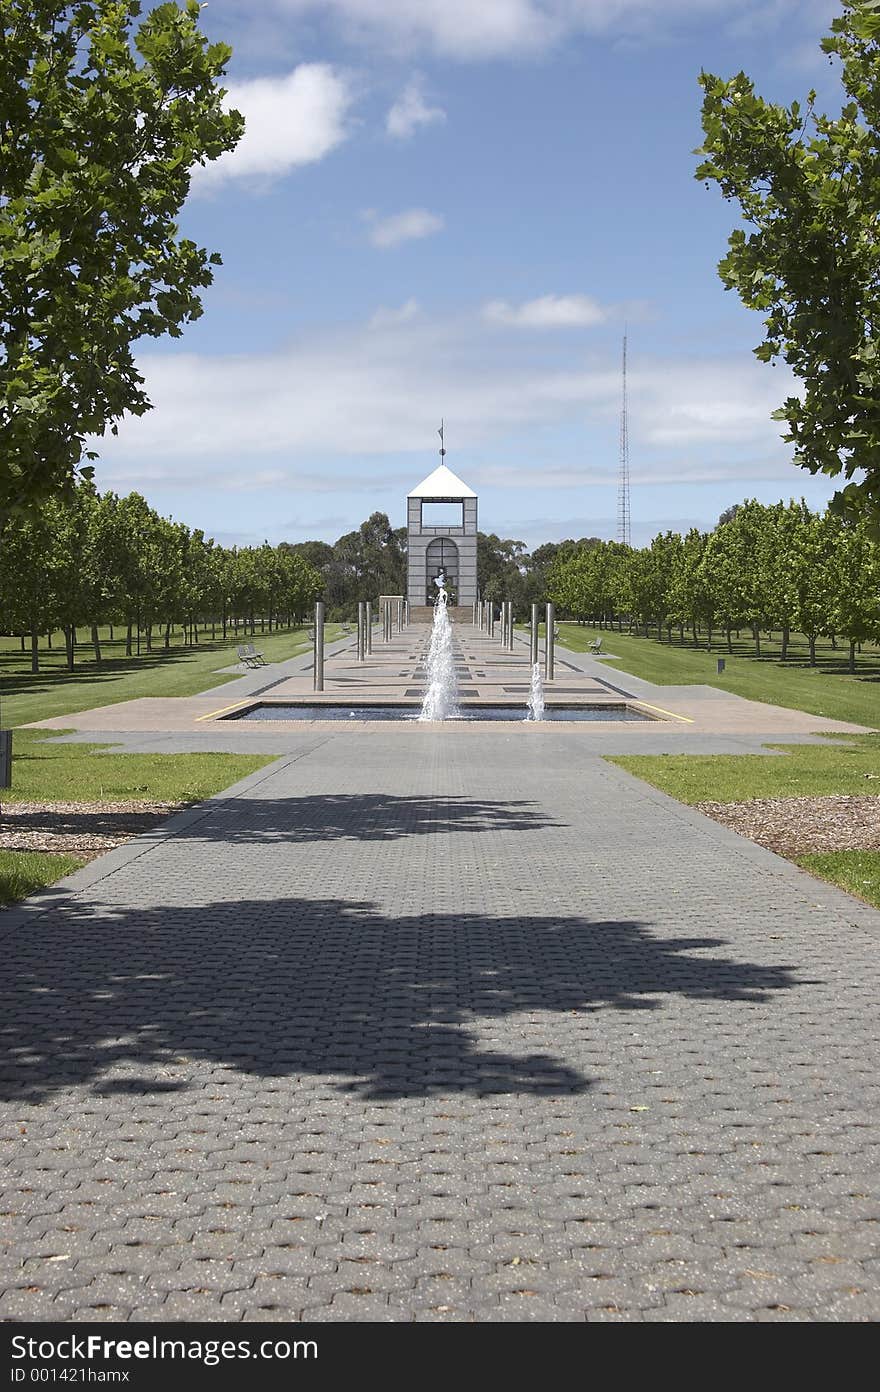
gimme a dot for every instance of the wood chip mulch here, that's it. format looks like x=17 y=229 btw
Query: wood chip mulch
x=803 y=825
x=83 y=829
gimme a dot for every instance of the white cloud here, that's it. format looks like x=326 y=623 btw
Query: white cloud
x=411 y=110
x=402 y=227
x=385 y=318
x=480 y=29
x=290 y=121
x=312 y=415
x=548 y=312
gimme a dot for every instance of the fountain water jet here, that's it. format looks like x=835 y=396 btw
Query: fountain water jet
x=440 y=701
x=536 y=698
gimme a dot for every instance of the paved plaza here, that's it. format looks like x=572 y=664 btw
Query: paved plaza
x=442 y=1023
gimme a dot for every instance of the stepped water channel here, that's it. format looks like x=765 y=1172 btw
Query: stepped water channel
x=450 y=672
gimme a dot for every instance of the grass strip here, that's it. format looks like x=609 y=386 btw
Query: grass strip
x=47 y=772
x=827 y=689
x=858 y=872
x=800 y=770
x=23 y=872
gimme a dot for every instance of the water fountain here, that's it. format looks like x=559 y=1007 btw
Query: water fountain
x=536 y=697
x=440 y=701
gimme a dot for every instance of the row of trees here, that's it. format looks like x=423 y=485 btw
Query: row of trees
x=765 y=567
x=94 y=559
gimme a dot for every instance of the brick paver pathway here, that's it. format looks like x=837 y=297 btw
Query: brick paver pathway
x=491 y=1031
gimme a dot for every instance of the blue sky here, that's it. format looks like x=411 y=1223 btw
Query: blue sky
x=452 y=208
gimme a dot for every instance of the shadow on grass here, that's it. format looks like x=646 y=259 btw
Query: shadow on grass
x=379 y=1005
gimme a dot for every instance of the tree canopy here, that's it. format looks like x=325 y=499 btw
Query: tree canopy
x=101 y=123
x=808 y=188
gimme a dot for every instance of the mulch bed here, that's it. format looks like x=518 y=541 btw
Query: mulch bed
x=803 y=825
x=83 y=829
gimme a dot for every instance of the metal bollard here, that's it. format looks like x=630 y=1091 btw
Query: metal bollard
x=369 y=626
x=319 y=645
x=533 y=646
x=5 y=758
x=550 y=643
x=511 y=639
x=362 y=637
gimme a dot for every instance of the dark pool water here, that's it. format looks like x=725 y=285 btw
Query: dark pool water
x=277 y=711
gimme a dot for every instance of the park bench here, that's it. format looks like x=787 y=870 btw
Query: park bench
x=595 y=646
x=248 y=654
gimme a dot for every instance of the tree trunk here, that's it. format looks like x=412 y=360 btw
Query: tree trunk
x=757 y=632
x=49 y=639
x=694 y=632
x=786 y=634
x=729 y=641
x=96 y=642
x=834 y=641
x=149 y=637
x=213 y=628
x=167 y=636
x=35 y=650
x=22 y=641
x=709 y=639
x=812 y=649
x=69 y=644
x=111 y=633
x=852 y=655
x=225 y=623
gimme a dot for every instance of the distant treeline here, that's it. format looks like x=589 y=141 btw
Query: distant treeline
x=101 y=559
x=762 y=568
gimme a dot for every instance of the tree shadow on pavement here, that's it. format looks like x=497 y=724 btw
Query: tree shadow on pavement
x=360 y=817
x=376 y=1005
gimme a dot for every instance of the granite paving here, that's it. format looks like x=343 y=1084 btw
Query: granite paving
x=448 y=1027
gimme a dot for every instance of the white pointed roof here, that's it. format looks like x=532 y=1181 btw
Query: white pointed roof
x=443 y=486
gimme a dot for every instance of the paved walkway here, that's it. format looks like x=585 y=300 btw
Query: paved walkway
x=441 y=1028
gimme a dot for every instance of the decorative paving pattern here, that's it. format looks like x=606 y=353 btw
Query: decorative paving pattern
x=454 y=1030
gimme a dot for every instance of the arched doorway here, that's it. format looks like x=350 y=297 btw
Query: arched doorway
x=442 y=555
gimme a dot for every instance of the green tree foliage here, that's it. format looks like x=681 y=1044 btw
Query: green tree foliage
x=808 y=189
x=101 y=123
x=89 y=560
x=780 y=566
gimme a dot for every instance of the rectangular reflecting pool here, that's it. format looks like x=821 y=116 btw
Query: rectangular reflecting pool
x=276 y=710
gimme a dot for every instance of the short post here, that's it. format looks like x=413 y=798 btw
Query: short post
x=5 y=758
x=369 y=626
x=400 y=616
x=510 y=636
x=362 y=638
x=533 y=646
x=319 y=645
x=505 y=627
x=550 y=643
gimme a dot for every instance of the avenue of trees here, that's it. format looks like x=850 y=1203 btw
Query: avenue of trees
x=90 y=559
x=764 y=567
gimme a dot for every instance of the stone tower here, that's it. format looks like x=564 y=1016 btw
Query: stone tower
x=449 y=546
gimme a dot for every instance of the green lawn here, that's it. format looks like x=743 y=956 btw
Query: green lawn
x=28 y=696
x=827 y=689
x=21 y=872
x=804 y=770
x=856 y=871
x=44 y=772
